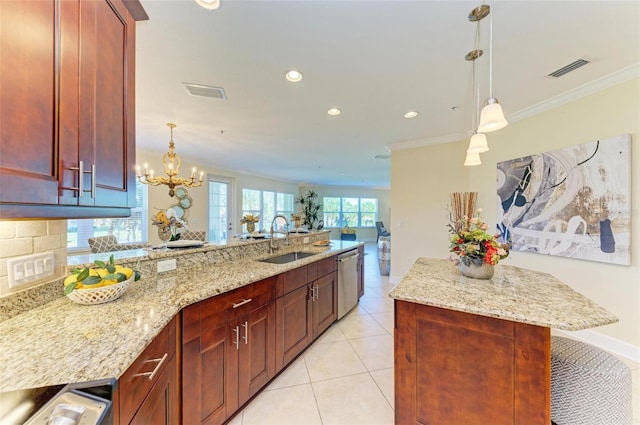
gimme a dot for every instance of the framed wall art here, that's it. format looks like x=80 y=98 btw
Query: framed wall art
x=573 y=202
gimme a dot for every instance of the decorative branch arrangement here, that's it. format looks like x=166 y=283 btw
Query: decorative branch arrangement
x=463 y=204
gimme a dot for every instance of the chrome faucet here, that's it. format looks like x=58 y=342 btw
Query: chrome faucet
x=272 y=231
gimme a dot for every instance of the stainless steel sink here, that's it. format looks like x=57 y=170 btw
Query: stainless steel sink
x=287 y=258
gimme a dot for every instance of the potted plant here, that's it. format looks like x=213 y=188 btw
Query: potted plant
x=310 y=209
x=346 y=232
x=477 y=250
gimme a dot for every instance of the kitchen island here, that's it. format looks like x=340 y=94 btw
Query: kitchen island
x=478 y=351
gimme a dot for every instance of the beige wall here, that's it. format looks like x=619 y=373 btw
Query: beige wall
x=422 y=178
x=384 y=205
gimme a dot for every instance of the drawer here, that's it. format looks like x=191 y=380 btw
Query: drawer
x=137 y=381
x=327 y=265
x=248 y=298
x=291 y=280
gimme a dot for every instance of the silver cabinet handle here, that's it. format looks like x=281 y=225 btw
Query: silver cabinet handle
x=243 y=302
x=80 y=178
x=236 y=330
x=81 y=172
x=93 y=181
x=152 y=374
x=315 y=291
x=246 y=333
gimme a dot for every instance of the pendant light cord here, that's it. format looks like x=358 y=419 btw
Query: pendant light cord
x=490 y=55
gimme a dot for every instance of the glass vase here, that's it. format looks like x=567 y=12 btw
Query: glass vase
x=251 y=227
x=164 y=234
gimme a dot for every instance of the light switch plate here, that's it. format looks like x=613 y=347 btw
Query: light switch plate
x=29 y=268
x=166 y=265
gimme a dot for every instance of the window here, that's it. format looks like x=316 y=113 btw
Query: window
x=354 y=212
x=267 y=205
x=126 y=229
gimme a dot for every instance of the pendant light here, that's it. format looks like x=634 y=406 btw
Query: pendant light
x=491 y=118
x=209 y=4
x=478 y=142
x=473 y=158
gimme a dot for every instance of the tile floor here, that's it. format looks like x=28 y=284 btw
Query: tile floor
x=346 y=376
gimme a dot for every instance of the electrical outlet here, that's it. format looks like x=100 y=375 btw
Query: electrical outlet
x=166 y=265
x=29 y=268
x=305 y=240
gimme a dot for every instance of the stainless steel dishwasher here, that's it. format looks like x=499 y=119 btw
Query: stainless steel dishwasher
x=347 y=281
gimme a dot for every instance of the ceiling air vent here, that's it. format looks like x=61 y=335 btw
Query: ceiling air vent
x=568 y=68
x=205 y=91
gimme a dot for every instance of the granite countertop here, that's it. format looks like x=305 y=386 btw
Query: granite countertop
x=514 y=293
x=63 y=342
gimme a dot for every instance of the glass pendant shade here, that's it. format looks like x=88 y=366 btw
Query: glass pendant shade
x=491 y=117
x=472 y=159
x=478 y=143
x=209 y=4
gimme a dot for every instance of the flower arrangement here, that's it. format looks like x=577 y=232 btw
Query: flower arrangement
x=471 y=242
x=169 y=221
x=250 y=220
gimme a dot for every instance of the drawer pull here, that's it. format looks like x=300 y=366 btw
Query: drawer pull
x=243 y=302
x=152 y=374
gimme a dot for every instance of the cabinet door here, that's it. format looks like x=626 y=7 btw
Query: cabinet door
x=257 y=351
x=325 y=306
x=205 y=363
x=28 y=95
x=161 y=405
x=294 y=324
x=106 y=102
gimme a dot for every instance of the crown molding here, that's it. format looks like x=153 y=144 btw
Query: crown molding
x=618 y=77
x=621 y=76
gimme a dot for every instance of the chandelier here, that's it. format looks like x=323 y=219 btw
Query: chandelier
x=171 y=162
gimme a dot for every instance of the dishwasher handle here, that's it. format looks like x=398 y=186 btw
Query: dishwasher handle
x=351 y=255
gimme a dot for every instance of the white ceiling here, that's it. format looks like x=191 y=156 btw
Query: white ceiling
x=374 y=60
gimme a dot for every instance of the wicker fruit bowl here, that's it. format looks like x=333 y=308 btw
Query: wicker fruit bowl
x=100 y=295
x=102 y=284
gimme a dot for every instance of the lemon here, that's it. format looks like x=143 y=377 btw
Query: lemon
x=102 y=272
x=125 y=271
x=70 y=279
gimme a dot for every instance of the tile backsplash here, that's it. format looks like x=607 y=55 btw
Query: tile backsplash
x=25 y=237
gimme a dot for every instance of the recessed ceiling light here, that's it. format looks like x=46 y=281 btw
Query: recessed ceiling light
x=334 y=111
x=411 y=114
x=293 y=76
x=209 y=4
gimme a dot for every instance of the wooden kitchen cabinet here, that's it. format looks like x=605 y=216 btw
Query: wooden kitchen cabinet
x=453 y=367
x=307 y=310
x=325 y=305
x=148 y=392
x=228 y=348
x=67 y=95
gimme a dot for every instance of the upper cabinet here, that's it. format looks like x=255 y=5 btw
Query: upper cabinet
x=67 y=108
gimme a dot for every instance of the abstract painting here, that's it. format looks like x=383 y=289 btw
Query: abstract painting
x=573 y=202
